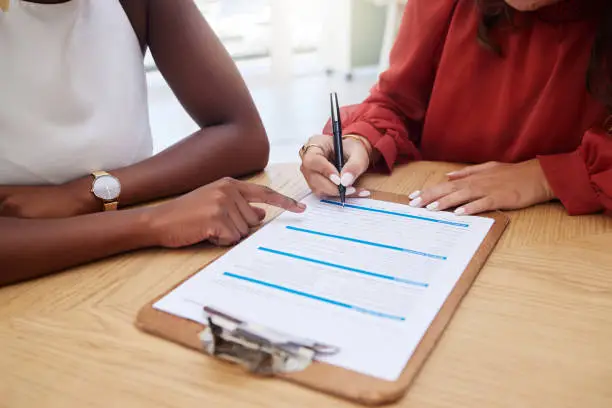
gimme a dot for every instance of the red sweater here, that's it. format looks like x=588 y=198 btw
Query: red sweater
x=447 y=98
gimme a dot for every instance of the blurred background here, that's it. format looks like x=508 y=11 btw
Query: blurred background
x=291 y=53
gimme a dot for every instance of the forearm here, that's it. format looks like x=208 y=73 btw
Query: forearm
x=207 y=83
x=32 y=248
x=206 y=156
x=228 y=150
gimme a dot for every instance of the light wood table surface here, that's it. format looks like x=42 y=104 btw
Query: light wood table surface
x=535 y=330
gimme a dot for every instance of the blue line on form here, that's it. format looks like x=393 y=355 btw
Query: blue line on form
x=416 y=217
x=314 y=297
x=346 y=268
x=360 y=241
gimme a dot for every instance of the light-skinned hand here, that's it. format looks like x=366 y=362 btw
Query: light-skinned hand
x=320 y=172
x=488 y=187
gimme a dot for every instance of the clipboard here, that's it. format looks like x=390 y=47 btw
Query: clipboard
x=278 y=355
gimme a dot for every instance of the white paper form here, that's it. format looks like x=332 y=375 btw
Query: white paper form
x=368 y=278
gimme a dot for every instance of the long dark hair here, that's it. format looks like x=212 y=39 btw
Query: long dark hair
x=599 y=73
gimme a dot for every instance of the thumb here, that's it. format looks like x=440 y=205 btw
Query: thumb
x=357 y=163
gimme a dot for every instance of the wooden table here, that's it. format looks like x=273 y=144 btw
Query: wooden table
x=534 y=331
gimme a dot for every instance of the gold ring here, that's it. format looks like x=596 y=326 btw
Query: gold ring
x=307 y=146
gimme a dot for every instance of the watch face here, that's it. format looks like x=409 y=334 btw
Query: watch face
x=107 y=188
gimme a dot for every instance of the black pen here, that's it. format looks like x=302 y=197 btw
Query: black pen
x=337 y=129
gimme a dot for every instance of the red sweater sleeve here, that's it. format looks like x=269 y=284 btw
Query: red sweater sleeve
x=398 y=102
x=582 y=179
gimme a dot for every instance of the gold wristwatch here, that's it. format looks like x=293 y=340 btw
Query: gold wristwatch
x=106 y=188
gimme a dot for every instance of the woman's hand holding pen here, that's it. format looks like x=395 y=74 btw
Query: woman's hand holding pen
x=320 y=172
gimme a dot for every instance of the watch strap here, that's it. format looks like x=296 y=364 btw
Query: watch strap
x=111 y=206
x=99 y=173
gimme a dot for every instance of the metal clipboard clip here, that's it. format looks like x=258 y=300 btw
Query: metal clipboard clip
x=260 y=350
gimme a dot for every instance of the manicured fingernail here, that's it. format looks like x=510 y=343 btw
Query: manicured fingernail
x=460 y=211
x=414 y=195
x=301 y=206
x=433 y=206
x=416 y=203
x=351 y=190
x=364 y=193
x=452 y=173
x=347 y=179
x=335 y=179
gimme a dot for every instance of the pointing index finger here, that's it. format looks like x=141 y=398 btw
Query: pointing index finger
x=255 y=193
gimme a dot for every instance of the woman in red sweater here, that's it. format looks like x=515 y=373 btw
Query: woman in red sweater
x=519 y=89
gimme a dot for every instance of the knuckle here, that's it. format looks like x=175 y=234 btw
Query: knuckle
x=213 y=232
x=468 y=192
x=219 y=211
x=489 y=202
x=471 y=185
x=449 y=188
x=226 y=181
x=224 y=234
x=231 y=237
x=310 y=161
x=511 y=198
x=219 y=196
x=515 y=196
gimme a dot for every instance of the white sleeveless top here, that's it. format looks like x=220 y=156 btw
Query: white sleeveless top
x=73 y=96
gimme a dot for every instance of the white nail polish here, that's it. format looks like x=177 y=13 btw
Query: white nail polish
x=416 y=203
x=364 y=193
x=347 y=179
x=414 y=195
x=351 y=190
x=433 y=206
x=460 y=211
x=335 y=179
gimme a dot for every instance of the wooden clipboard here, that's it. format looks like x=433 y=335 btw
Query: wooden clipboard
x=331 y=379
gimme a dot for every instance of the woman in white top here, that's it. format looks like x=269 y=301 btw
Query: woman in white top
x=75 y=143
